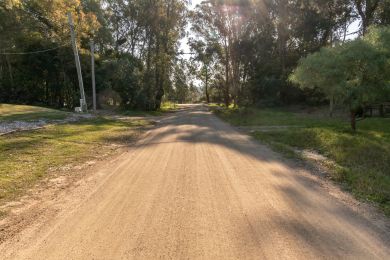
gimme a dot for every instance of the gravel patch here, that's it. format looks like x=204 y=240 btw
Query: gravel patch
x=14 y=126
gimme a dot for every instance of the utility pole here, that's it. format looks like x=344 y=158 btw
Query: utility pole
x=93 y=75
x=83 y=102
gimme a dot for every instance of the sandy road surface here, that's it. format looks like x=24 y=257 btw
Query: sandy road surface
x=194 y=188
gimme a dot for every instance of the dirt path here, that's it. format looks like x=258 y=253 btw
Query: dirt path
x=194 y=188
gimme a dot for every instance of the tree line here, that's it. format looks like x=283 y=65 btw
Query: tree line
x=136 y=50
x=245 y=52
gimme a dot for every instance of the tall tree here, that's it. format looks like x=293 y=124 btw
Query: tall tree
x=366 y=9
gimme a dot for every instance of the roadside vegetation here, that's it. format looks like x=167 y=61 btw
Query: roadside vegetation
x=10 y=112
x=166 y=107
x=361 y=159
x=355 y=74
x=28 y=156
x=136 y=58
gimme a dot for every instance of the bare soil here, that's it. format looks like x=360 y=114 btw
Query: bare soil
x=193 y=187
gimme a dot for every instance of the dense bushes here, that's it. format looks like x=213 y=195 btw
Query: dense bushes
x=354 y=74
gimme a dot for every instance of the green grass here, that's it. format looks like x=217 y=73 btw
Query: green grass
x=273 y=117
x=28 y=156
x=166 y=107
x=10 y=112
x=140 y=113
x=362 y=158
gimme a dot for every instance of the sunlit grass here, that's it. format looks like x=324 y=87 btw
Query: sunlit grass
x=26 y=157
x=10 y=112
x=168 y=106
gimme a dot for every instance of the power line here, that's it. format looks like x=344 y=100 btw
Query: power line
x=33 y=52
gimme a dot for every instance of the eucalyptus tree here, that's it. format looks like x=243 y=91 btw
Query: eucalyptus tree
x=205 y=54
x=30 y=26
x=221 y=25
x=261 y=41
x=366 y=9
x=149 y=30
x=383 y=14
x=209 y=25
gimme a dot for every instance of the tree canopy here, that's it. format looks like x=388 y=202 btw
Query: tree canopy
x=243 y=50
x=355 y=73
x=136 y=43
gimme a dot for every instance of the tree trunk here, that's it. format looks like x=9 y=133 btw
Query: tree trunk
x=331 y=106
x=353 y=120
x=366 y=10
x=226 y=91
x=282 y=32
x=159 y=95
x=345 y=29
x=156 y=104
x=381 y=110
x=11 y=77
x=226 y=97
x=206 y=87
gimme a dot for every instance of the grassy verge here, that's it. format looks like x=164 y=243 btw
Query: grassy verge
x=10 y=112
x=166 y=107
x=362 y=158
x=140 y=113
x=26 y=157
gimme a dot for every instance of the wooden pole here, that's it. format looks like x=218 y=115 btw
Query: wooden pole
x=93 y=75
x=83 y=102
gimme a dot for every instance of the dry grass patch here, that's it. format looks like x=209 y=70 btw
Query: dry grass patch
x=26 y=157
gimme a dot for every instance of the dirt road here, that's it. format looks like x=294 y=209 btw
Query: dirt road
x=194 y=188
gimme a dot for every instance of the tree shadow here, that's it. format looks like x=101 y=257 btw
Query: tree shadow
x=201 y=127
x=328 y=229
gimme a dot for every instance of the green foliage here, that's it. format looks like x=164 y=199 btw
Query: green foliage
x=355 y=73
x=321 y=70
x=123 y=75
x=245 y=49
x=182 y=88
x=49 y=77
x=259 y=43
x=135 y=49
